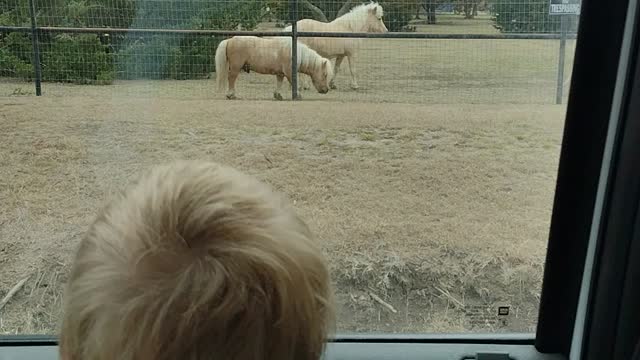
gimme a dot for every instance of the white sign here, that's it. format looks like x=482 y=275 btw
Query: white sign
x=564 y=7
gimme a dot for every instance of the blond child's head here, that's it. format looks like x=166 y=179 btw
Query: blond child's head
x=197 y=261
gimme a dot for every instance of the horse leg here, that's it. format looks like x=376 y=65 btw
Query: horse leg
x=339 y=59
x=352 y=69
x=276 y=94
x=233 y=76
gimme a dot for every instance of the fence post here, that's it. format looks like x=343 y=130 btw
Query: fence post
x=561 y=54
x=294 y=49
x=36 y=48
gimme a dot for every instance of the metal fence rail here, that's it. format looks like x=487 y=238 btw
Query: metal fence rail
x=299 y=34
x=36 y=31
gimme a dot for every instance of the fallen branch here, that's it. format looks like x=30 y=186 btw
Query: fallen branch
x=450 y=297
x=13 y=291
x=382 y=302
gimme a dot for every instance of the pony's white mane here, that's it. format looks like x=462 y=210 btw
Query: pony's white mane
x=358 y=16
x=307 y=57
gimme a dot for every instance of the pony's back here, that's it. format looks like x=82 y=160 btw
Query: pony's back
x=327 y=47
x=313 y=25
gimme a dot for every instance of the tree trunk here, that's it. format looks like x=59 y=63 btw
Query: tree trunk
x=467 y=9
x=474 y=12
x=430 y=8
x=344 y=8
x=317 y=13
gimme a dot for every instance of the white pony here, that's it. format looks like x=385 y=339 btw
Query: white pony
x=362 y=18
x=268 y=56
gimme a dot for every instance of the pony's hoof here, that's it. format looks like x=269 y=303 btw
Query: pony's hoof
x=231 y=96
x=333 y=86
x=355 y=86
x=277 y=96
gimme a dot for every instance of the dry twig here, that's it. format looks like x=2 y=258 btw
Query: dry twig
x=13 y=291
x=450 y=297
x=382 y=302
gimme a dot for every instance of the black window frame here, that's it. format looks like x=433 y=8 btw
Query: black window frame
x=589 y=110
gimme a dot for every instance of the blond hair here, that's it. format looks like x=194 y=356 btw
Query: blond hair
x=197 y=261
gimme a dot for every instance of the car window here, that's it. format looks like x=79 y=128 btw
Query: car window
x=426 y=166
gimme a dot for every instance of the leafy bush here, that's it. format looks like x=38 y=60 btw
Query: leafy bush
x=79 y=59
x=14 y=13
x=146 y=59
x=181 y=57
x=88 y=59
x=197 y=57
x=12 y=66
x=230 y=15
x=15 y=56
x=397 y=14
x=160 y=57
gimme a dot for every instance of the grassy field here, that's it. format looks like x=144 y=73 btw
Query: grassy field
x=431 y=187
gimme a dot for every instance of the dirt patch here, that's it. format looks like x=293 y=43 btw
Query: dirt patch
x=442 y=212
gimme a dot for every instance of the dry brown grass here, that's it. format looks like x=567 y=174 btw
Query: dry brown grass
x=406 y=200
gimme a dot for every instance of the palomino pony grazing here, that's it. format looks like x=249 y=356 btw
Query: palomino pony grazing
x=268 y=56
x=362 y=18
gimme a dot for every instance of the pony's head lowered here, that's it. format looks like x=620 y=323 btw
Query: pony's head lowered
x=313 y=64
x=319 y=68
x=321 y=75
x=365 y=17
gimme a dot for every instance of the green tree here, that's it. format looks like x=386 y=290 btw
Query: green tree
x=14 y=13
x=527 y=16
x=15 y=56
x=100 y=59
x=397 y=15
x=81 y=59
x=180 y=56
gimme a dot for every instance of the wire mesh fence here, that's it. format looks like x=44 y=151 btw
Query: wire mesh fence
x=479 y=163
x=478 y=51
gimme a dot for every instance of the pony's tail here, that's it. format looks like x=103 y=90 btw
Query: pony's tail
x=222 y=66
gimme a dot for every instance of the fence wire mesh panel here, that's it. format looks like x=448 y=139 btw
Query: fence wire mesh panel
x=421 y=70
x=426 y=165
